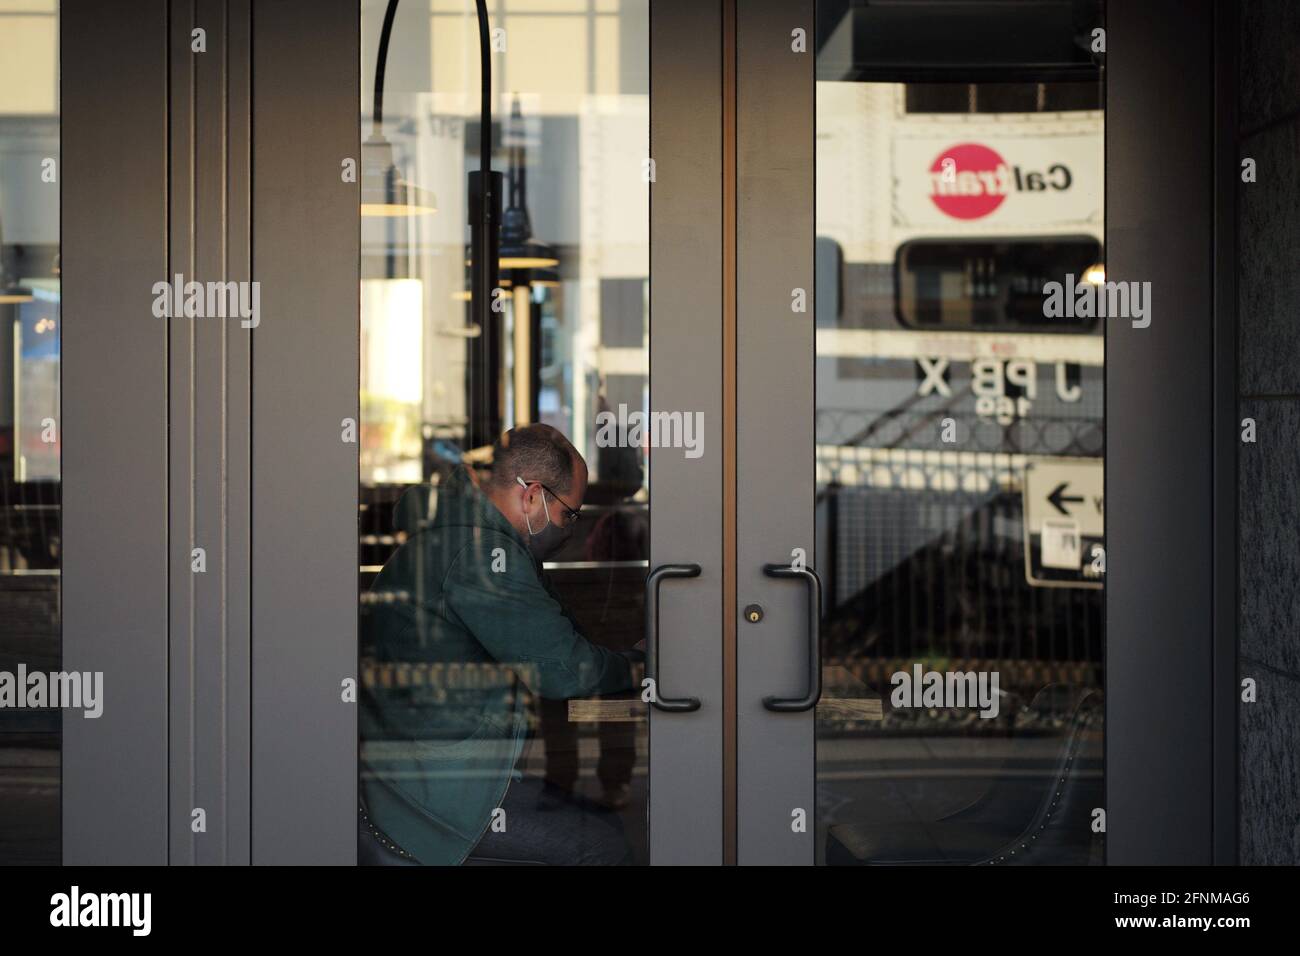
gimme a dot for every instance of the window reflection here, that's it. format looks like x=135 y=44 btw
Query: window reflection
x=477 y=663
x=941 y=387
x=30 y=545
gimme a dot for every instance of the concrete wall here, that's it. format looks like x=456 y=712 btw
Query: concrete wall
x=1268 y=294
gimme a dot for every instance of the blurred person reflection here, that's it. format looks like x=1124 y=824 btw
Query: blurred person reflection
x=462 y=616
x=620 y=534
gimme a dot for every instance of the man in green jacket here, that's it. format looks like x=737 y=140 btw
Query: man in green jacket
x=458 y=619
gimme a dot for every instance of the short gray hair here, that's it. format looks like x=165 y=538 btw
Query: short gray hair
x=534 y=453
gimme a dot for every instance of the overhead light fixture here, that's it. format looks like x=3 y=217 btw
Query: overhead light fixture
x=384 y=191
x=546 y=279
x=1095 y=275
x=529 y=254
x=519 y=250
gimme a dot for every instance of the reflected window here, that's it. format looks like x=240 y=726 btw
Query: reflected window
x=465 y=709
x=30 y=539
x=959 y=442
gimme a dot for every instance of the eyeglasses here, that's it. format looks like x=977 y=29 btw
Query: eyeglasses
x=570 y=514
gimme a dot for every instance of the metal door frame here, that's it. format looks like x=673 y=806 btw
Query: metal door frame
x=1170 y=467
x=223 y=690
x=688 y=496
x=217 y=689
x=775 y=399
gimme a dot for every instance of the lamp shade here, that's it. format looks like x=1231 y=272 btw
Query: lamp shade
x=545 y=279
x=384 y=191
x=519 y=250
x=529 y=254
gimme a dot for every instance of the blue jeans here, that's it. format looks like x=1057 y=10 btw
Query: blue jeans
x=542 y=826
x=545 y=825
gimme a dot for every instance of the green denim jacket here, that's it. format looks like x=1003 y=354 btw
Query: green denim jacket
x=457 y=620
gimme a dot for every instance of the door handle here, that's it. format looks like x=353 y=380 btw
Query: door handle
x=809 y=701
x=653 y=580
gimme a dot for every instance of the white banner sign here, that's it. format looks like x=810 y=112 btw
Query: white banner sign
x=1004 y=184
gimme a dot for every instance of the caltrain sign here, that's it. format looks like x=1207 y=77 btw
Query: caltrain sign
x=969 y=180
x=1011 y=182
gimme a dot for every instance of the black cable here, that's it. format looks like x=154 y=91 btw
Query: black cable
x=381 y=65
x=485 y=80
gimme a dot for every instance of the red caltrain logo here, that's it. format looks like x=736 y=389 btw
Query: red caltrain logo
x=970 y=180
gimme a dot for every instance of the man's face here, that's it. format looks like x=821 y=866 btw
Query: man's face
x=549 y=516
x=559 y=510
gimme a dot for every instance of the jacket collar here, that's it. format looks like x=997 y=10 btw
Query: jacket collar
x=461 y=503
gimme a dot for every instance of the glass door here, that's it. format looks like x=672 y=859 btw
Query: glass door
x=921 y=434
x=539 y=550
x=30 y=430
